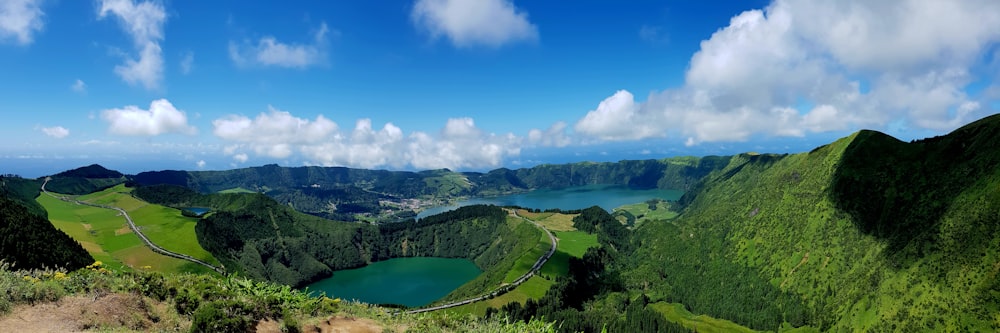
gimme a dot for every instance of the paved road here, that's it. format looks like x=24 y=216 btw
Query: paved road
x=135 y=229
x=504 y=289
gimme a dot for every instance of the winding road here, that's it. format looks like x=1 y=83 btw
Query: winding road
x=135 y=229
x=505 y=288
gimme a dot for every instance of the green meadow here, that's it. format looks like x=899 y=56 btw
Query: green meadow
x=643 y=213
x=105 y=234
x=677 y=313
x=571 y=243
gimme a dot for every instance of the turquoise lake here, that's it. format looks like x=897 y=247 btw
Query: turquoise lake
x=419 y=281
x=577 y=197
x=407 y=281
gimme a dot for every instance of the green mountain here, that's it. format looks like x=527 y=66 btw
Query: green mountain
x=866 y=233
x=27 y=239
x=85 y=180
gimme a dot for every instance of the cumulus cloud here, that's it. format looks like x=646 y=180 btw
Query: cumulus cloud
x=802 y=66
x=143 y=22
x=79 y=87
x=320 y=141
x=20 y=20
x=57 y=132
x=161 y=118
x=200 y=164
x=467 y=23
x=554 y=136
x=268 y=51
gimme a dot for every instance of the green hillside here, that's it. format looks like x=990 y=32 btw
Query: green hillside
x=27 y=239
x=867 y=233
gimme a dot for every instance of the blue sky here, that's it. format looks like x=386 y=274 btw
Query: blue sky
x=475 y=85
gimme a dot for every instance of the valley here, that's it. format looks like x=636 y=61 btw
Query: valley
x=854 y=234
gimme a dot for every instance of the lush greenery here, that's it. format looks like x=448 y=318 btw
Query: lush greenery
x=29 y=241
x=260 y=238
x=85 y=180
x=107 y=237
x=867 y=233
x=206 y=303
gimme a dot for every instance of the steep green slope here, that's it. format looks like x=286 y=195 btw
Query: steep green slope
x=867 y=233
x=28 y=240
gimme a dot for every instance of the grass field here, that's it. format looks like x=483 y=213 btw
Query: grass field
x=570 y=244
x=642 y=212
x=107 y=237
x=524 y=263
x=237 y=190
x=551 y=221
x=534 y=288
x=677 y=313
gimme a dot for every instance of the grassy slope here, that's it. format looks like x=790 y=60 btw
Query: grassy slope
x=571 y=243
x=776 y=219
x=107 y=237
x=127 y=301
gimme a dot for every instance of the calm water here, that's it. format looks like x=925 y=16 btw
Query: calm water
x=198 y=210
x=577 y=197
x=407 y=281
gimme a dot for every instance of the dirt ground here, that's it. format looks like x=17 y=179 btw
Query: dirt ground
x=91 y=312
x=128 y=312
x=331 y=325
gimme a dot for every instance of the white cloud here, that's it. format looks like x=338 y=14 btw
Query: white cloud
x=618 y=117
x=554 y=136
x=280 y=135
x=57 y=132
x=79 y=87
x=161 y=118
x=803 y=66
x=268 y=51
x=200 y=164
x=144 y=22
x=187 y=63
x=467 y=23
x=20 y=19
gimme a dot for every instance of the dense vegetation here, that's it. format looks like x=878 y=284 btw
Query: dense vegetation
x=27 y=239
x=151 y=301
x=85 y=180
x=592 y=297
x=865 y=233
x=260 y=238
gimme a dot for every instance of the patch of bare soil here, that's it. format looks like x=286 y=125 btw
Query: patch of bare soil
x=344 y=325
x=91 y=312
x=123 y=230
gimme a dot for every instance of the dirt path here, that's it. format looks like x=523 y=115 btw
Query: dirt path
x=90 y=312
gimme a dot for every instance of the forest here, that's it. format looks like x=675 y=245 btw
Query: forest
x=27 y=239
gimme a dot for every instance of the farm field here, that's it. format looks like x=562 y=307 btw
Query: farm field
x=105 y=234
x=642 y=212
